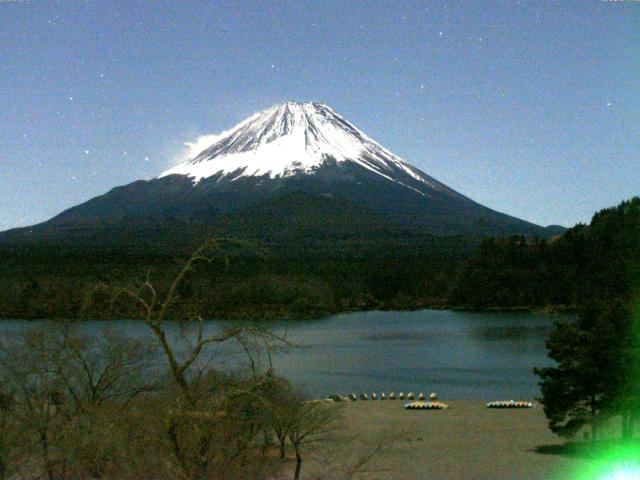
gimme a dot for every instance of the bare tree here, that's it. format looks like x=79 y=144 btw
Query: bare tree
x=60 y=385
x=347 y=456
x=105 y=368
x=102 y=374
x=196 y=417
x=27 y=366
x=9 y=436
x=310 y=422
x=278 y=398
x=316 y=429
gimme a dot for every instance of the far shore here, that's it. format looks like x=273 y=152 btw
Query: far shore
x=268 y=316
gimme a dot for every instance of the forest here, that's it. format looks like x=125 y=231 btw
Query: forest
x=298 y=276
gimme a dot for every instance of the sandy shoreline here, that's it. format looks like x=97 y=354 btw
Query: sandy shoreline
x=466 y=441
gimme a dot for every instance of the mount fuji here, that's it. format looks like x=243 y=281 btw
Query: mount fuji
x=296 y=166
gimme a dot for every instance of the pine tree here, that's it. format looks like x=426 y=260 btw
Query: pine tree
x=597 y=356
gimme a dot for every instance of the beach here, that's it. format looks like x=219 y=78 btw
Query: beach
x=466 y=441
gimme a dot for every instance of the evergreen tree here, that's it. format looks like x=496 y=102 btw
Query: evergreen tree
x=597 y=357
x=591 y=368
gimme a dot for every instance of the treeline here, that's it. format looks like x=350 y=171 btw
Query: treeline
x=561 y=272
x=298 y=276
x=304 y=279
x=517 y=272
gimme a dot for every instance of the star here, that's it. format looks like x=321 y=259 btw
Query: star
x=440 y=33
x=87 y=152
x=608 y=104
x=71 y=99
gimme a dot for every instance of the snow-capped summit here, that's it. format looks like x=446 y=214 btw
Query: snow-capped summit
x=291 y=139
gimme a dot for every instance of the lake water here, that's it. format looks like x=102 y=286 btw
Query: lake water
x=459 y=355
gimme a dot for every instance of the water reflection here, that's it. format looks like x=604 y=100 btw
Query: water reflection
x=511 y=333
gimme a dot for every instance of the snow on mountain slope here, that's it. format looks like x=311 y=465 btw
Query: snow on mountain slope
x=296 y=138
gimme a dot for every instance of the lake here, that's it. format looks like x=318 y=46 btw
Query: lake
x=459 y=355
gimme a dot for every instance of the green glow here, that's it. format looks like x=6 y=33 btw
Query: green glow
x=624 y=473
x=615 y=460
x=615 y=463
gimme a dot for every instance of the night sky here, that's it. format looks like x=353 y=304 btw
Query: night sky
x=530 y=108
